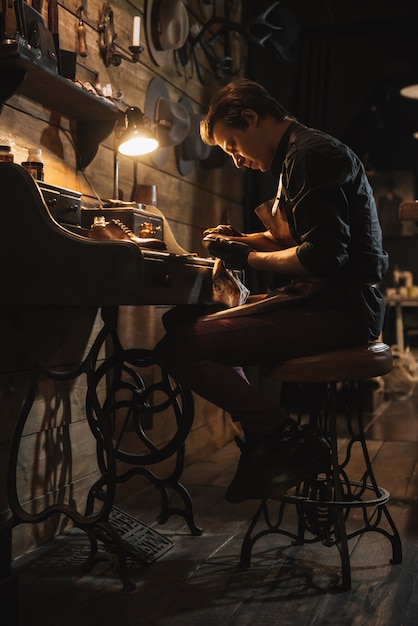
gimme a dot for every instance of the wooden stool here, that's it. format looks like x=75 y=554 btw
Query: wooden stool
x=331 y=385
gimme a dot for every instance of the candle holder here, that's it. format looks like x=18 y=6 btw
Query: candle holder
x=107 y=38
x=136 y=53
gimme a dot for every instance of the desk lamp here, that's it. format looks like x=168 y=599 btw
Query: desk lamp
x=137 y=139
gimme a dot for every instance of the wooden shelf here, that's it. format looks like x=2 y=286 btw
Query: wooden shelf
x=21 y=72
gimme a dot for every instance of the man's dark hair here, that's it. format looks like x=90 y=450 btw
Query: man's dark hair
x=227 y=106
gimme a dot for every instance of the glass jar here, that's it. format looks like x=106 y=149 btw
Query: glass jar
x=6 y=155
x=34 y=163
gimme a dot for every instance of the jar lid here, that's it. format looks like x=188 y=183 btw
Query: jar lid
x=5 y=148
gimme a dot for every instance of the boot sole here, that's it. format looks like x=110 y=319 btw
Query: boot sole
x=316 y=466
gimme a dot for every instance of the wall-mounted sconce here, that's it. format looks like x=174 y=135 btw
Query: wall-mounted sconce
x=107 y=38
x=136 y=139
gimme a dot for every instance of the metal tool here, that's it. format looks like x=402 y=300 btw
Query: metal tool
x=82 y=49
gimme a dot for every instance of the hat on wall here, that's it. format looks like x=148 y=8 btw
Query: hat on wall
x=169 y=120
x=192 y=149
x=166 y=28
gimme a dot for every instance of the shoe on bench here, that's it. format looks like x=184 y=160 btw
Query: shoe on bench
x=117 y=230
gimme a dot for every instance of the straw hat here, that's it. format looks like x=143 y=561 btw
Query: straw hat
x=166 y=28
x=169 y=119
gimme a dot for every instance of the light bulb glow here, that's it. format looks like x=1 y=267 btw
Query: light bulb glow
x=137 y=144
x=137 y=139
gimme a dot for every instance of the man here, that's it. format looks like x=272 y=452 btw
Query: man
x=322 y=229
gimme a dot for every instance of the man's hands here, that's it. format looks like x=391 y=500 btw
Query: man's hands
x=223 y=229
x=233 y=253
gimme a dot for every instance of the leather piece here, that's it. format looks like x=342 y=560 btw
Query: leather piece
x=227 y=287
x=294 y=292
x=347 y=364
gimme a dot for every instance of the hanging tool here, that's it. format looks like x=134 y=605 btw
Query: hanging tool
x=37 y=5
x=82 y=49
x=53 y=27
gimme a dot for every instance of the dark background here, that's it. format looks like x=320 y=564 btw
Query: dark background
x=339 y=66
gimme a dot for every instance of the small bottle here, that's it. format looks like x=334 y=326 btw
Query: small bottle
x=146 y=230
x=6 y=155
x=34 y=163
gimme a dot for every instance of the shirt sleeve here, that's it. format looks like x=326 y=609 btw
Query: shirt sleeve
x=318 y=211
x=322 y=219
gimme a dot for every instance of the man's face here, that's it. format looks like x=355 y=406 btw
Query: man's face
x=248 y=147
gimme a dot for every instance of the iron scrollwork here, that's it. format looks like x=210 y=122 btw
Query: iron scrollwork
x=221 y=35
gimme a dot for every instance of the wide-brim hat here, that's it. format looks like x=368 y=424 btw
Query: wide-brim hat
x=192 y=150
x=166 y=28
x=172 y=122
x=169 y=119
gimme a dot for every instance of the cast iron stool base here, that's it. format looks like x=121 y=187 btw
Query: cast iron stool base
x=325 y=503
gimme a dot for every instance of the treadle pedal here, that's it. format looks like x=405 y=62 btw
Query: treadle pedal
x=141 y=542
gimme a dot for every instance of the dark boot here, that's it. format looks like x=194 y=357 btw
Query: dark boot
x=291 y=455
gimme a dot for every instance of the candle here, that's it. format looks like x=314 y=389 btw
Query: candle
x=136 y=31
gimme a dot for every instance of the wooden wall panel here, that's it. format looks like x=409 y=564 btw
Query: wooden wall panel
x=190 y=203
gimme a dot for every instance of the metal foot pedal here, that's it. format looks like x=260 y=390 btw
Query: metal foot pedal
x=141 y=542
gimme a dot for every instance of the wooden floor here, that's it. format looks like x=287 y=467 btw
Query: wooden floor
x=199 y=582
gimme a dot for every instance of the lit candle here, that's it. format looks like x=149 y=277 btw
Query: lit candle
x=136 y=31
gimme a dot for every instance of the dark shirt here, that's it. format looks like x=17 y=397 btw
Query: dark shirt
x=332 y=216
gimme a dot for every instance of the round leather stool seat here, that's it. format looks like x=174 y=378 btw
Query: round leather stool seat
x=348 y=364
x=329 y=397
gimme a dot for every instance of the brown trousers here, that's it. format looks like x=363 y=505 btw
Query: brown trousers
x=207 y=355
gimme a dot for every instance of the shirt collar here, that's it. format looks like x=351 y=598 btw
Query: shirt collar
x=280 y=154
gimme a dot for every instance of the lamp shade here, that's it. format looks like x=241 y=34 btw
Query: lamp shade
x=137 y=139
